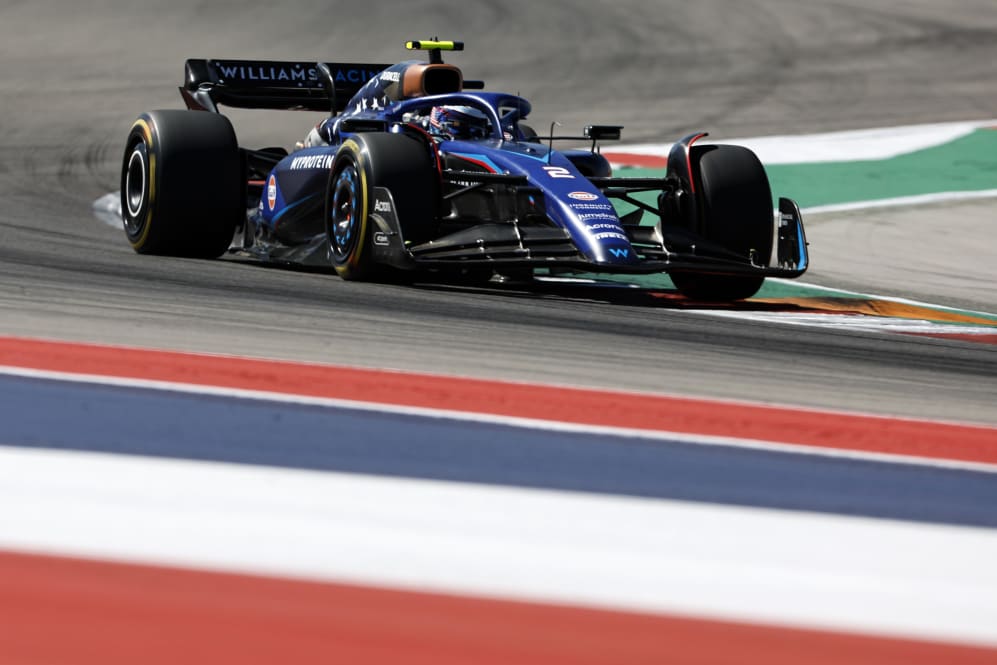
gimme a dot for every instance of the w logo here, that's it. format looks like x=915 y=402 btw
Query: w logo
x=618 y=252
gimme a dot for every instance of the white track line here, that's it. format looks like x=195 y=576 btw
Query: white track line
x=835 y=291
x=900 y=201
x=108 y=209
x=846 y=146
x=863 y=322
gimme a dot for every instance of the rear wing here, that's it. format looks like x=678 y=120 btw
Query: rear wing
x=268 y=84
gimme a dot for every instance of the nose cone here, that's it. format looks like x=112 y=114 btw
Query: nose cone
x=597 y=222
x=573 y=202
x=620 y=252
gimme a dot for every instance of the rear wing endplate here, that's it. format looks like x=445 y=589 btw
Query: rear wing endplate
x=270 y=84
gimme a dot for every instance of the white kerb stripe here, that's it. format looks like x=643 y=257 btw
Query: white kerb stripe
x=844 y=146
x=798 y=569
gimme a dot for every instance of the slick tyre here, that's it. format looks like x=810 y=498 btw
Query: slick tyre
x=735 y=201
x=182 y=184
x=400 y=163
x=716 y=288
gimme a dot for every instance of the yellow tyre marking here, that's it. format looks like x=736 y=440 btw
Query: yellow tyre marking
x=147 y=136
x=354 y=259
x=362 y=237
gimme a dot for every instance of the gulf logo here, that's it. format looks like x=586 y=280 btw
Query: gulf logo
x=272 y=192
x=583 y=196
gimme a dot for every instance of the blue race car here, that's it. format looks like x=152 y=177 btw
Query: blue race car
x=419 y=169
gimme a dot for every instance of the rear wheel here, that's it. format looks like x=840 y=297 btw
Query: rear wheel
x=736 y=212
x=397 y=162
x=182 y=185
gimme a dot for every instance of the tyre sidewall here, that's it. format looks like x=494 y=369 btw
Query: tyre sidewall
x=716 y=288
x=735 y=204
x=352 y=261
x=735 y=199
x=194 y=190
x=138 y=220
x=405 y=166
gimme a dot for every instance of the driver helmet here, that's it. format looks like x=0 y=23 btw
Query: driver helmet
x=458 y=122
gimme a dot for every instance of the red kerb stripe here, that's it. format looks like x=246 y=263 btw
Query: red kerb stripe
x=63 y=610
x=864 y=433
x=962 y=337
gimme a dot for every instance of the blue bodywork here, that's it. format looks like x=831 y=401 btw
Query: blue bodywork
x=295 y=187
x=556 y=206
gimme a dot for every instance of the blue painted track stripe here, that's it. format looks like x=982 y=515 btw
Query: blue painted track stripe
x=79 y=416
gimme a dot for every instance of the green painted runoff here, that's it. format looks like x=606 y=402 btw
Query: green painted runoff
x=964 y=165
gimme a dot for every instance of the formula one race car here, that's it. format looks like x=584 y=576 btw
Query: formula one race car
x=420 y=169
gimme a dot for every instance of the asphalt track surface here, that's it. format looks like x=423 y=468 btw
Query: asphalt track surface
x=75 y=76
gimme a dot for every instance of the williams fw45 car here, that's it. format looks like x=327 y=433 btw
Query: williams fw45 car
x=419 y=169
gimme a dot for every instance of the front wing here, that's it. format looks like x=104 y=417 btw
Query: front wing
x=509 y=245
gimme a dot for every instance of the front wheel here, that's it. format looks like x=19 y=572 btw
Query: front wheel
x=347 y=221
x=735 y=203
x=401 y=164
x=717 y=288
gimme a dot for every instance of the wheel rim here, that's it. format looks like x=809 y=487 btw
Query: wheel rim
x=344 y=216
x=135 y=186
